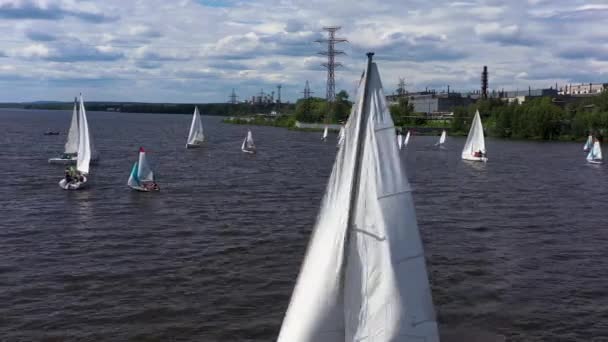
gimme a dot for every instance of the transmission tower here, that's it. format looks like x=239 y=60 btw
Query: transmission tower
x=401 y=87
x=233 y=97
x=331 y=64
x=307 y=97
x=278 y=110
x=484 y=83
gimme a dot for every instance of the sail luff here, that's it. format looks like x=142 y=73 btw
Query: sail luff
x=71 y=144
x=84 y=146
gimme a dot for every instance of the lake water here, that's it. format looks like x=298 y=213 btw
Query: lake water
x=516 y=247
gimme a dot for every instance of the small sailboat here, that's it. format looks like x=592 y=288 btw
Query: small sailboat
x=341 y=136
x=78 y=179
x=475 y=146
x=325 y=134
x=399 y=140
x=588 y=143
x=442 y=139
x=364 y=275
x=248 y=146
x=71 y=144
x=595 y=154
x=196 y=136
x=407 y=139
x=142 y=177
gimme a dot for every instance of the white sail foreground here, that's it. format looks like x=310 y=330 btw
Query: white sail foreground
x=595 y=154
x=196 y=137
x=366 y=281
x=475 y=146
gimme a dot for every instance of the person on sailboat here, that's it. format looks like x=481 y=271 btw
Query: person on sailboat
x=68 y=175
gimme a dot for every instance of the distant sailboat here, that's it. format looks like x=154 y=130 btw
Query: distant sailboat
x=71 y=145
x=248 y=145
x=341 y=136
x=142 y=177
x=595 y=154
x=588 y=143
x=324 y=134
x=399 y=140
x=407 y=139
x=442 y=139
x=364 y=276
x=475 y=146
x=78 y=181
x=196 y=136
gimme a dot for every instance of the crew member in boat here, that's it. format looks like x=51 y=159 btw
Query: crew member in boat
x=68 y=175
x=479 y=154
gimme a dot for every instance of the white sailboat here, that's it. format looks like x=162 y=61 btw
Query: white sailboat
x=442 y=139
x=588 y=143
x=196 y=136
x=399 y=140
x=364 y=276
x=341 y=136
x=248 y=146
x=325 y=134
x=71 y=144
x=407 y=139
x=142 y=177
x=595 y=154
x=475 y=146
x=79 y=179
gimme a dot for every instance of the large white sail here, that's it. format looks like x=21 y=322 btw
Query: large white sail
x=84 y=144
x=144 y=172
x=588 y=143
x=595 y=154
x=366 y=281
x=407 y=139
x=71 y=145
x=475 y=146
x=196 y=136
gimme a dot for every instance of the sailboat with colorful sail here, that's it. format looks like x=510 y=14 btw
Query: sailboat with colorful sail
x=595 y=154
x=364 y=275
x=475 y=146
x=588 y=144
x=77 y=179
x=248 y=146
x=196 y=136
x=325 y=131
x=142 y=177
x=71 y=144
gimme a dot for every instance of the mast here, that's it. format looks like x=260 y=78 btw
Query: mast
x=354 y=192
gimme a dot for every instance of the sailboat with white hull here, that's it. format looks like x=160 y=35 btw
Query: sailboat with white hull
x=248 y=146
x=475 y=146
x=196 y=136
x=142 y=177
x=71 y=144
x=595 y=154
x=364 y=276
x=77 y=179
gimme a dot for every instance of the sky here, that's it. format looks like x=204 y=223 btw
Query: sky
x=197 y=51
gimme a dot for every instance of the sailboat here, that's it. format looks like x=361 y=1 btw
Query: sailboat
x=196 y=136
x=588 y=143
x=341 y=136
x=142 y=177
x=475 y=146
x=595 y=154
x=74 y=181
x=71 y=145
x=248 y=145
x=407 y=139
x=399 y=140
x=441 y=141
x=364 y=276
x=324 y=134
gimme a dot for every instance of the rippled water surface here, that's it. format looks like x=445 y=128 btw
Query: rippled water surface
x=517 y=247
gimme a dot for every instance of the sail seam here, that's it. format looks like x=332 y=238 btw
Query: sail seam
x=395 y=194
x=409 y=258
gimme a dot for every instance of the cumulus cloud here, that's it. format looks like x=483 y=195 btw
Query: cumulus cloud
x=504 y=35
x=51 y=10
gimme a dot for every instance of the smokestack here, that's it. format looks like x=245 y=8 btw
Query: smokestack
x=484 y=83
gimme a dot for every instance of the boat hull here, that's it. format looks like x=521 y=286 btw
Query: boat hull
x=594 y=161
x=194 y=145
x=477 y=159
x=72 y=185
x=143 y=188
x=248 y=151
x=63 y=161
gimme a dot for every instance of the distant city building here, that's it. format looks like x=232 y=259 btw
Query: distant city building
x=583 y=89
x=522 y=95
x=432 y=103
